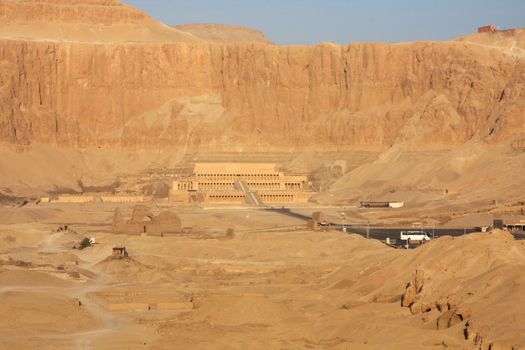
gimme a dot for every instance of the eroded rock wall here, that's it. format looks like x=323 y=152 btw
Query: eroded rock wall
x=87 y=11
x=140 y=95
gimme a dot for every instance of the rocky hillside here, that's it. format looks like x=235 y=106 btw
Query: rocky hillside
x=83 y=21
x=467 y=286
x=100 y=74
x=510 y=41
x=220 y=33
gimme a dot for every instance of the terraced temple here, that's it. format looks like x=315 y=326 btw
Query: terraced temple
x=251 y=183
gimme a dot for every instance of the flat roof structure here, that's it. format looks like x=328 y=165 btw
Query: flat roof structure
x=234 y=168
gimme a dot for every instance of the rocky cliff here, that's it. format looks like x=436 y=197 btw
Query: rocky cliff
x=176 y=94
x=101 y=75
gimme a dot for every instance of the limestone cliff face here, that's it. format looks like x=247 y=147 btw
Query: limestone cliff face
x=257 y=96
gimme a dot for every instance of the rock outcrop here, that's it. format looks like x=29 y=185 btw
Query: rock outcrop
x=467 y=287
x=472 y=284
x=414 y=287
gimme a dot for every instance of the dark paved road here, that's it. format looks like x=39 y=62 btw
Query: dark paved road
x=378 y=232
x=288 y=212
x=519 y=236
x=381 y=233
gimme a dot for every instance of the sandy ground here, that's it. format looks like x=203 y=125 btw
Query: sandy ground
x=272 y=286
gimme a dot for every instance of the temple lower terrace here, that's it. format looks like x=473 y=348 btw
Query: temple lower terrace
x=95 y=198
x=240 y=183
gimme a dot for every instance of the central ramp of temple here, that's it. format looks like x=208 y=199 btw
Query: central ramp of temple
x=252 y=197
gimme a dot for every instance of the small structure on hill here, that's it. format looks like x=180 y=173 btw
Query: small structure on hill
x=491 y=28
x=144 y=221
x=119 y=253
x=498 y=223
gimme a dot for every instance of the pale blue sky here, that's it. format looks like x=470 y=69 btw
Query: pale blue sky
x=344 y=21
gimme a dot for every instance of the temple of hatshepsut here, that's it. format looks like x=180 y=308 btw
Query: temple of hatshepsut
x=252 y=183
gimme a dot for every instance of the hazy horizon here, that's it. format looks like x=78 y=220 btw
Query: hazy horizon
x=340 y=21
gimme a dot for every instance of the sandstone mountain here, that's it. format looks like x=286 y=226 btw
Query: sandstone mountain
x=82 y=21
x=80 y=95
x=87 y=79
x=221 y=33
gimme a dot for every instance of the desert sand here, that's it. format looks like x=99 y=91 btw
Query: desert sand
x=97 y=96
x=277 y=286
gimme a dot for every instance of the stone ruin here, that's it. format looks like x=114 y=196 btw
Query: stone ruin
x=119 y=253
x=315 y=223
x=144 y=221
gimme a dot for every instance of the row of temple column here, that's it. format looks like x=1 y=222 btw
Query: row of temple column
x=216 y=186
x=185 y=186
x=265 y=186
x=251 y=185
x=272 y=198
x=226 y=198
x=238 y=176
x=293 y=186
